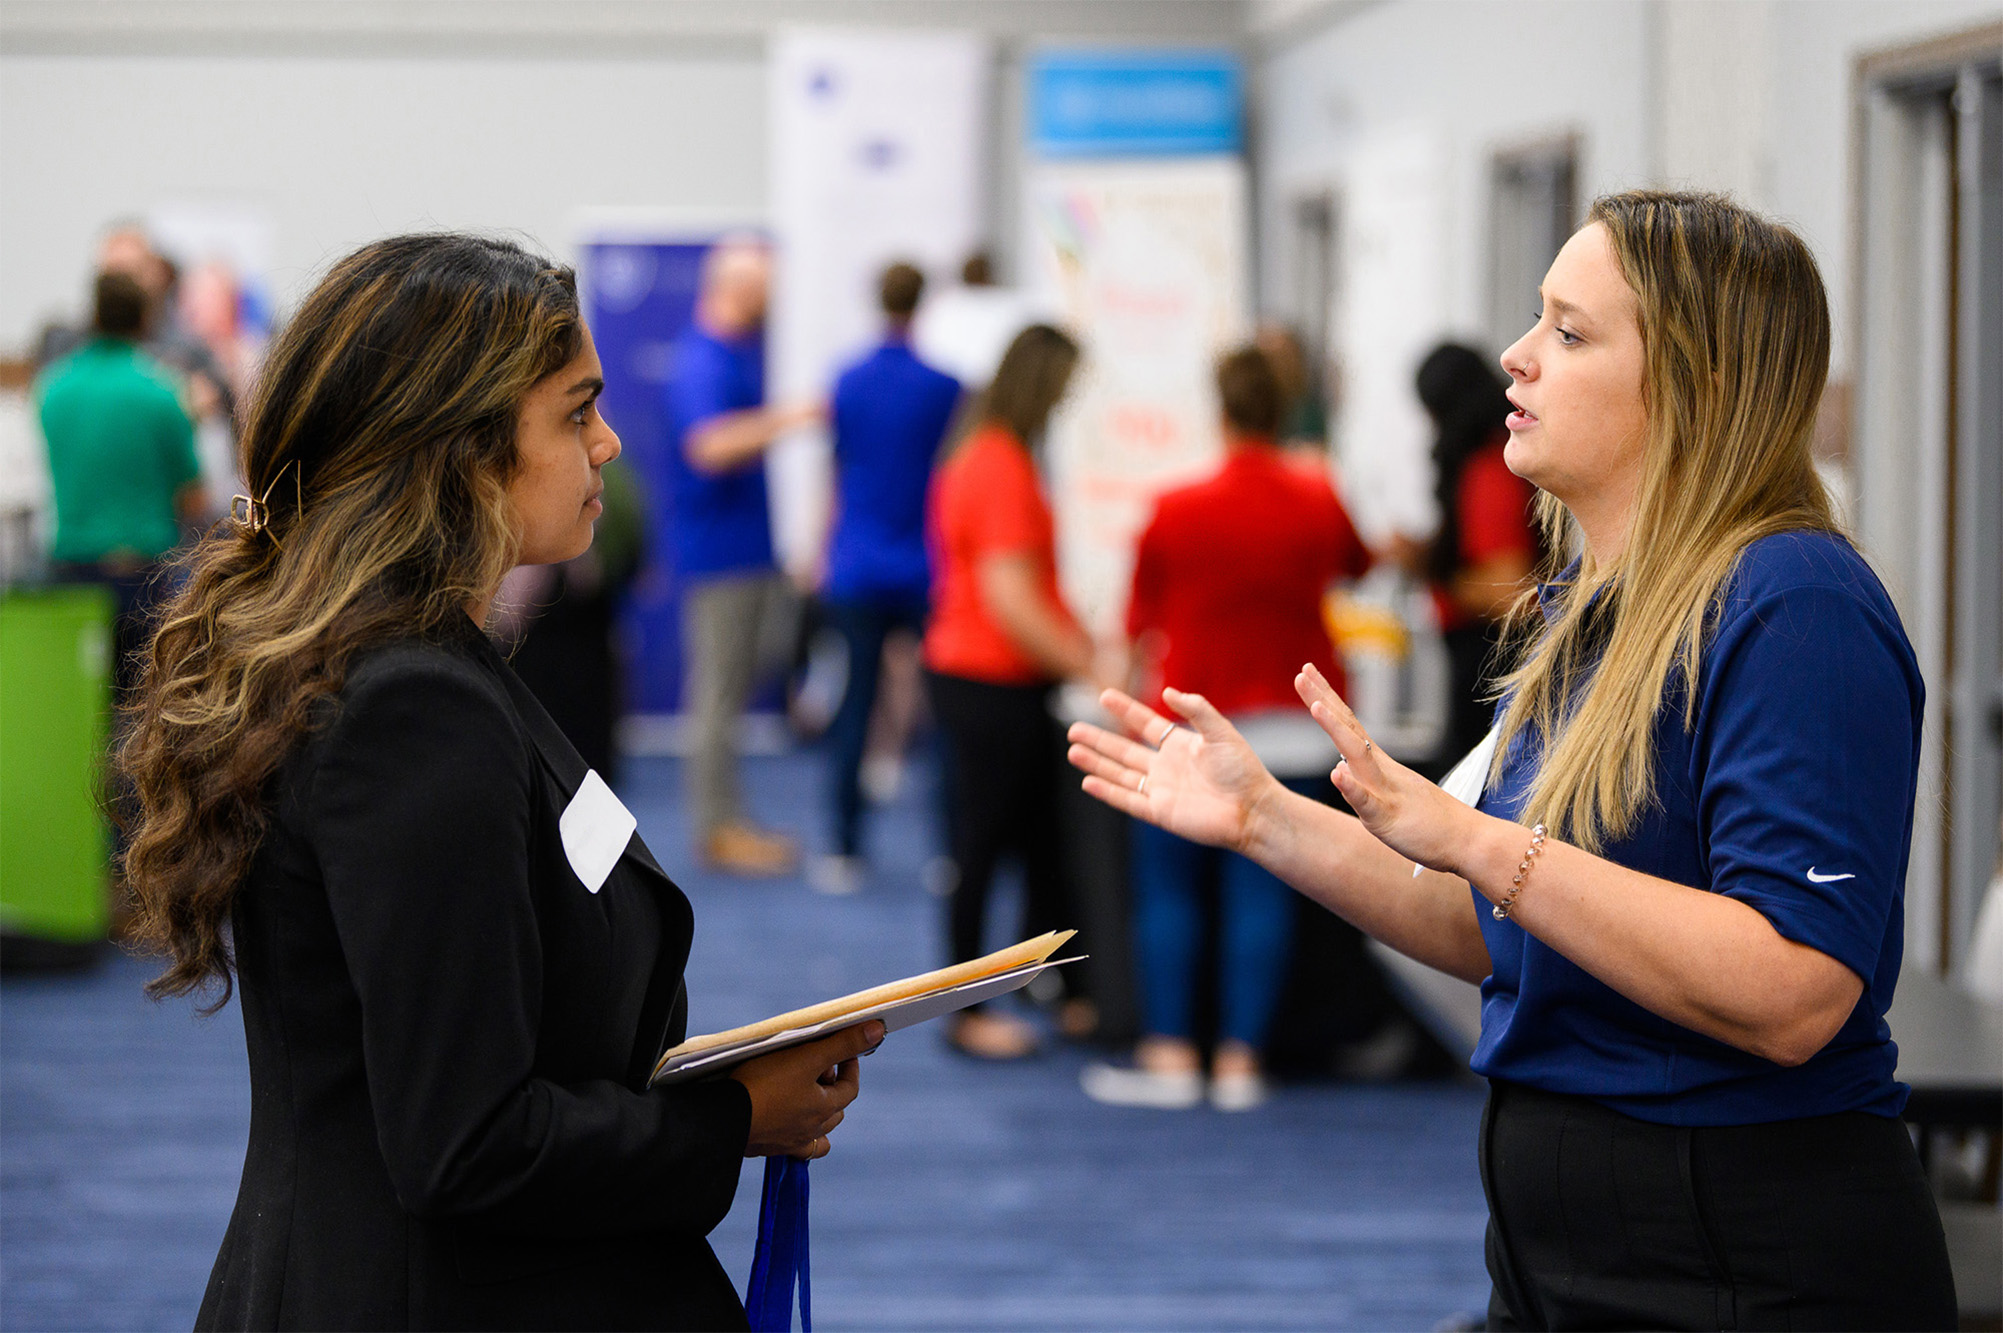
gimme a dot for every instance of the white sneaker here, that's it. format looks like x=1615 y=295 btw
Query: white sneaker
x=1238 y=1092
x=1130 y=1085
x=882 y=778
x=836 y=876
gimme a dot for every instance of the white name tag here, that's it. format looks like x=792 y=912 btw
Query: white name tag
x=1467 y=778
x=596 y=826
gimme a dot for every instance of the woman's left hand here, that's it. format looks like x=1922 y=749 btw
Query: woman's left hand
x=1401 y=809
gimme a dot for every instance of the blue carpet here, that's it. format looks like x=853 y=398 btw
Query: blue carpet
x=959 y=1195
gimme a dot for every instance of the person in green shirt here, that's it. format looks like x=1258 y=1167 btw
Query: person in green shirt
x=121 y=460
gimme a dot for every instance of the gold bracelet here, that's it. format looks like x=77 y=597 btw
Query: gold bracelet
x=1501 y=909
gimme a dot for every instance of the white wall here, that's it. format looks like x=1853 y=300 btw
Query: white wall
x=1780 y=73
x=340 y=149
x=348 y=119
x=1479 y=75
x=1750 y=96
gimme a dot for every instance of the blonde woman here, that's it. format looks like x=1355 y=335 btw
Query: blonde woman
x=457 y=960
x=1681 y=883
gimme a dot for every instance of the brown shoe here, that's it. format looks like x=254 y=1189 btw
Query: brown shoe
x=1077 y=1019
x=742 y=849
x=988 y=1036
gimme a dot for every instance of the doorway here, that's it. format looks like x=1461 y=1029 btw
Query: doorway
x=1928 y=213
x=1533 y=207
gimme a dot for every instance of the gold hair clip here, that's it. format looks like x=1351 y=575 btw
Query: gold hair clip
x=254 y=516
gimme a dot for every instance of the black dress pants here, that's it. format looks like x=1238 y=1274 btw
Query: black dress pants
x=1003 y=750
x=1601 y=1221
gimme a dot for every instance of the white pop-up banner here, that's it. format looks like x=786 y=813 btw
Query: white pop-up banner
x=1394 y=308
x=878 y=154
x=1146 y=261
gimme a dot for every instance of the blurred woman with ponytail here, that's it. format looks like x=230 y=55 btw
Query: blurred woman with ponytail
x=457 y=962
x=1480 y=559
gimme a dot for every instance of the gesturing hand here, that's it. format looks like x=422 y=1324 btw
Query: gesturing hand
x=1401 y=809
x=1200 y=782
x=798 y=1094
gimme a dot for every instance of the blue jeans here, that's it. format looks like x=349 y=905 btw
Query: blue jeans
x=1258 y=912
x=863 y=625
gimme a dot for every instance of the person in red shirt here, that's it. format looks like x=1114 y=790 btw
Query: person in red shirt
x=1480 y=559
x=999 y=640
x=1227 y=597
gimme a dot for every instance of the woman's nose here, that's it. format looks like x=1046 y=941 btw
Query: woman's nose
x=1515 y=364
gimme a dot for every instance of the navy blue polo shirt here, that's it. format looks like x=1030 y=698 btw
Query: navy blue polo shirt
x=890 y=411
x=722 y=522
x=1792 y=793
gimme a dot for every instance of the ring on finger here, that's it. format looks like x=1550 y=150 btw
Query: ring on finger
x=1142 y=790
x=1366 y=745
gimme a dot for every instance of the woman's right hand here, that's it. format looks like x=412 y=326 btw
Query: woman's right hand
x=1200 y=782
x=798 y=1095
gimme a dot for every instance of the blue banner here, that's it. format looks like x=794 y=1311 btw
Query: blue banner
x=1085 y=104
x=639 y=297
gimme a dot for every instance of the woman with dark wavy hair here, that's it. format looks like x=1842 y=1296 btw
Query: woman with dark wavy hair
x=457 y=961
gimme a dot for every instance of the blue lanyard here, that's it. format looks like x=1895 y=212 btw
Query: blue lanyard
x=781 y=1257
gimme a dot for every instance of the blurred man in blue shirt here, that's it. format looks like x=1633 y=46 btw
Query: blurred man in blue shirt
x=719 y=429
x=890 y=412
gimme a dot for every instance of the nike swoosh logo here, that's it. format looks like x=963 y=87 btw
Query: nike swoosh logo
x=1814 y=878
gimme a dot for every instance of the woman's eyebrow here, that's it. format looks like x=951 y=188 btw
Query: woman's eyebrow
x=1562 y=306
x=591 y=387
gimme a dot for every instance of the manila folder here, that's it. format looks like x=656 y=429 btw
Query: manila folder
x=898 y=1004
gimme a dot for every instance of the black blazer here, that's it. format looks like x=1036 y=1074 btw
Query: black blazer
x=450 y=1037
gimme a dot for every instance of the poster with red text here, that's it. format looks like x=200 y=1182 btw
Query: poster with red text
x=1147 y=262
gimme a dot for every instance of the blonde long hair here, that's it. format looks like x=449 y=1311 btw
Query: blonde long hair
x=381 y=435
x=1735 y=330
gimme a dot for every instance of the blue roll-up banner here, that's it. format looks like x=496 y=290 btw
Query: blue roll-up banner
x=1124 y=104
x=639 y=296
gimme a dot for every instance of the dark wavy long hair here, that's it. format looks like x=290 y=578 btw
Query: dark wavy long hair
x=1463 y=392
x=381 y=435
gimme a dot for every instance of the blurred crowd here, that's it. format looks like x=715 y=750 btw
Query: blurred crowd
x=119 y=429
x=939 y=581
x=942 y=558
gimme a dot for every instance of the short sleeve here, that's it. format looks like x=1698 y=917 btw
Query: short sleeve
x=1806 y=760
x=1006 y=516
x=1144 y=602
x=698 y=387
x=1352 y=557
x=1494 y=510
x=844 y=410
